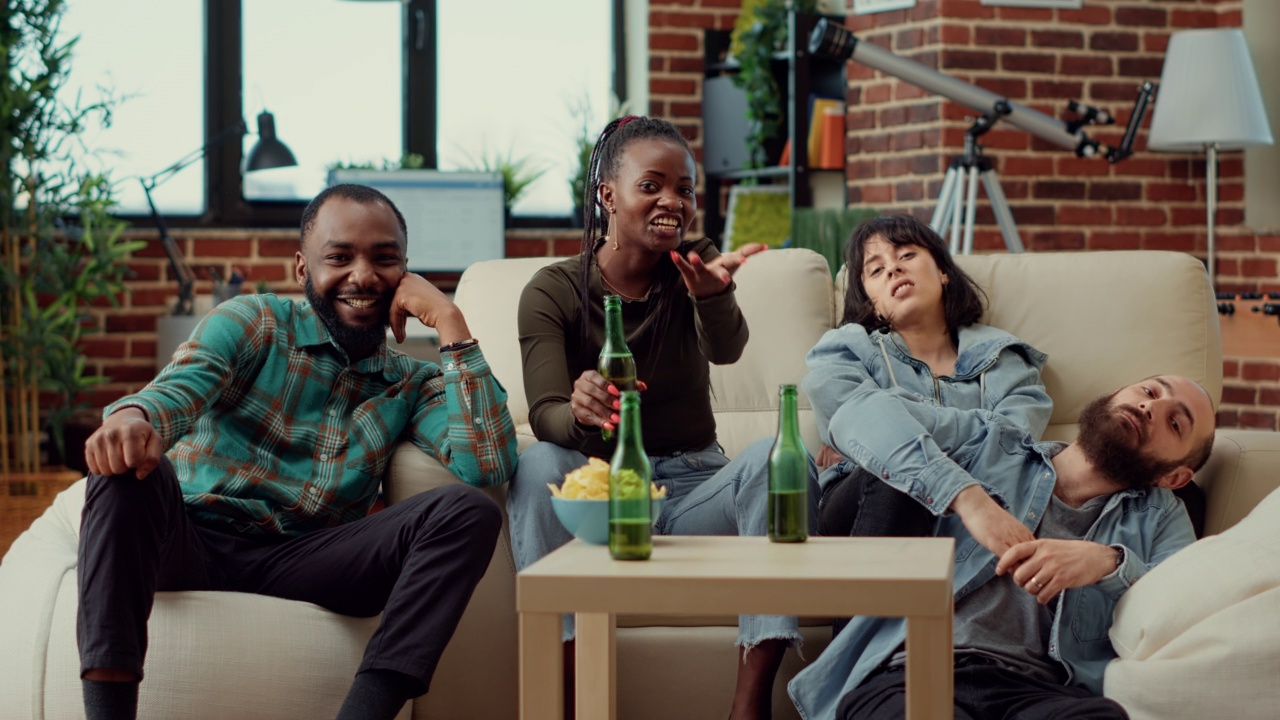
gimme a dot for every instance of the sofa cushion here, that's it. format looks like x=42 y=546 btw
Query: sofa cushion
x=488 y=294
x=1196 y=636
x=785 y=295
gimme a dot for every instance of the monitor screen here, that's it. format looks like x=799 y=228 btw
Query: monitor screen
x=454 y=218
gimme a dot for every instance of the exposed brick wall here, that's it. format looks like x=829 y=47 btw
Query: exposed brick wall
x=1250 y=393
x=900 y=139
x=125 y=348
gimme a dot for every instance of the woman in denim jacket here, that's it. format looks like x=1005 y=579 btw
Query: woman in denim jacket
x=910 y=329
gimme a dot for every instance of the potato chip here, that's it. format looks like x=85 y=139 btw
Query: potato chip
x=591 y=482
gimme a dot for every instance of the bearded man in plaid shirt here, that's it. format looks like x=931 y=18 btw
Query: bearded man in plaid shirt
x=251 y=462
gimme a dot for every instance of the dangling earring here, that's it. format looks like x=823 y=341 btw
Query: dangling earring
x=612 y=212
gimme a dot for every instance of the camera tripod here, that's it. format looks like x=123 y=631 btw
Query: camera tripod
x=958 y=199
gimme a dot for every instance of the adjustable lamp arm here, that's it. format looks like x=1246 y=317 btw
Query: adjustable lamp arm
x=178 y=264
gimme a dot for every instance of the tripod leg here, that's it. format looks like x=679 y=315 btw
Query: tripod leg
x=941 y=217
x=1000 y=205
x=957 y=212
x=971 y=210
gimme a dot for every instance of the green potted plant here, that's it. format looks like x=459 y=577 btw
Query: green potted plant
x=760 y=33
x=61 y=250
x=408 y=161
x=517 y=172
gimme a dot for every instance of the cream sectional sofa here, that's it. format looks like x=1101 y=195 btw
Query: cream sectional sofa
x=1105 y=319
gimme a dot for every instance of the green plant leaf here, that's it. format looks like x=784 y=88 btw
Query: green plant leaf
x=517 y=172
x=755 y=45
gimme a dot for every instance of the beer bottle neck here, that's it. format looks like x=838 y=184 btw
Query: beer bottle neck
x=629 y=427
x=788 y=414
x=614 y=336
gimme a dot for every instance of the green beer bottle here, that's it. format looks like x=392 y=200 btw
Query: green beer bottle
x=630 y=526
x=615 y=364
x=788 y=475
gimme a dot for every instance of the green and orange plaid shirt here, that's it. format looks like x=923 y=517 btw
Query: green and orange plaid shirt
x=272 y=430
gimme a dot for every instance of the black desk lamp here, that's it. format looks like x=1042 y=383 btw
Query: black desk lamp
x=267 y=153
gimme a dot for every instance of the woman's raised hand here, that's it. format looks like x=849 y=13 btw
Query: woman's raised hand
x=707 y=279
x=594 y=401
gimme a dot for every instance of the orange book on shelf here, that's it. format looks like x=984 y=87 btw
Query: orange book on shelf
x=818 y=111
x=831 y=156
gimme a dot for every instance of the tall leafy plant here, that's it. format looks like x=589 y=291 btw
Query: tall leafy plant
x=584 y=143
x=761 y=33
x=61 y=251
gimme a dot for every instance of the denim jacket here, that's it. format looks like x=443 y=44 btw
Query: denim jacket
x=871 y=373
x=1146 y=526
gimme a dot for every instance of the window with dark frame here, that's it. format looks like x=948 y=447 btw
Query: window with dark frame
x=225 y=103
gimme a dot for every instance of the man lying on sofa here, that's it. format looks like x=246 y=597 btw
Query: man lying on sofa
x=1065 y=530
x=251 y=462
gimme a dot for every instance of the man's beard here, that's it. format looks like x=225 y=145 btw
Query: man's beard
x=1104 y=440
x=350 y=337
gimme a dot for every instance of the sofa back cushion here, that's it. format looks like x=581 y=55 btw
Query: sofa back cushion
x=784 y=294
x=489 y=296
x=1105 y=319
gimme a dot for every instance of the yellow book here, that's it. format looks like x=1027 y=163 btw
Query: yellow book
x=817 y=111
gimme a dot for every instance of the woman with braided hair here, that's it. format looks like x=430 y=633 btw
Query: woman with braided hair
x=680 y=314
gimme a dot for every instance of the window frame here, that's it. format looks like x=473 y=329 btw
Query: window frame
x=225 y=204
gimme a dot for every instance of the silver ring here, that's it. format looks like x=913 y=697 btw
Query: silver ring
x=1039 y=585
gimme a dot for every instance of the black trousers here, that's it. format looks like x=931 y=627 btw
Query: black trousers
x=861 y=505
x=983 y=692
x=417 y=563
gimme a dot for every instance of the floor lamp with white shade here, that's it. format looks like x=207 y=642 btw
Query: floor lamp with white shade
x=1208 y=100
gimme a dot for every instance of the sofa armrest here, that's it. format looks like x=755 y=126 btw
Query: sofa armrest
x=1244 y=469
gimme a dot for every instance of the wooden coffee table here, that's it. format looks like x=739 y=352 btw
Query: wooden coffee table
x=704 y=575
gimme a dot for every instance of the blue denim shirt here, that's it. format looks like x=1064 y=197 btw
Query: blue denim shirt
x=1148 y=526
x=995 y=372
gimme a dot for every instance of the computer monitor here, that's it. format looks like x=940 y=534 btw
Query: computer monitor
x=454 y=218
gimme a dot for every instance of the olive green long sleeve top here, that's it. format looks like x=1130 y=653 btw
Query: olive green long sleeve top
x=676 y=407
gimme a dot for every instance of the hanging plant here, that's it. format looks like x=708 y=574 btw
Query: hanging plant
x=761 y=32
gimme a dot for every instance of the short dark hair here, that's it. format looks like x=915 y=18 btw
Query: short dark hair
x=962 y=299
x=362 y=194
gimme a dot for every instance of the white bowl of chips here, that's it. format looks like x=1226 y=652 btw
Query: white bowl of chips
x=582 y=502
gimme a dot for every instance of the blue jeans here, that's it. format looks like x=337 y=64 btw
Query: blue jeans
x=707 y=494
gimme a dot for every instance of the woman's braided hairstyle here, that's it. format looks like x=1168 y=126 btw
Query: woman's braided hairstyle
x=605 y=160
